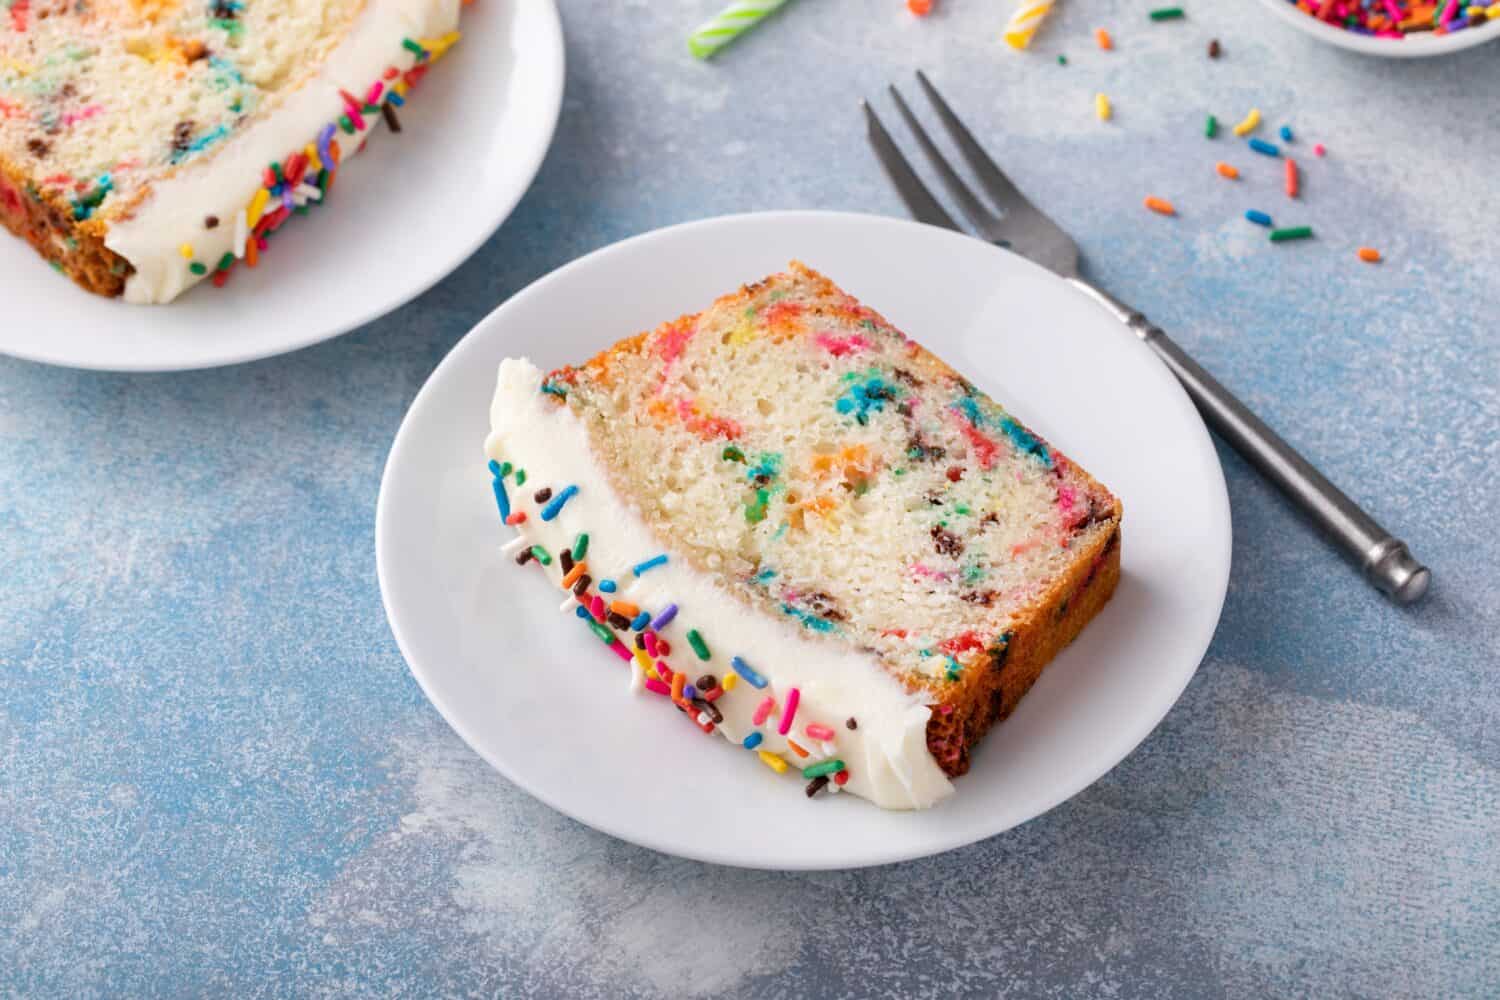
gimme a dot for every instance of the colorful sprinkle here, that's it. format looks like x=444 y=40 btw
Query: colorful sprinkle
x=842 y=778
x=1319 y=149
x=752 y=741
x=657 y=687
x=1265 y=148
x=730 y=682
x=819 y=732
x=640 y=621
x=763 y=711
x=1211 y=126
x=664 y=617
x=746 y=671
x=1291 y=178
x=1259 y=218
x=502 y=499
x=1102 y=109
x=581 y=545
x=556 y=504
x=1167 y=14
x=651 y=563
x=1214 y=48
x=1285 y=132
x=822 y=767
x=793 y=698
x=608 y=586
x=817 y=785
x=1369 y=255
x=542 y=555
x=1160 y=206
x=1102 y=39
x=1248 y=123
x=695 y=639
x=1225 y=170
x=773 y=761
x=602 y=631
x=1291 y=233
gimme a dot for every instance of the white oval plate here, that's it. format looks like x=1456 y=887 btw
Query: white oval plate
x=548 y=707
x=1413 y=46
x=405 y=213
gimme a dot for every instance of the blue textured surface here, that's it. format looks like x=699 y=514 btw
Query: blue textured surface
x=217 y=777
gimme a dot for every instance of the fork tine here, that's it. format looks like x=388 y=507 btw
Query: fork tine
x=1007 y=197
x=908 y=185
x=982 y=218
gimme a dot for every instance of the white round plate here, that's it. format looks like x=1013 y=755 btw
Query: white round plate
x=1413 y=46
x=548 y=707
x=405 y=213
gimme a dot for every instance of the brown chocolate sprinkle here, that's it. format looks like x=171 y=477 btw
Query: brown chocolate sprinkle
x=565 y=561
x=618 y=620
x=210 y=222
x=1213 y=48
x=581 y=585
x=706 y=683
x=524 y=557
x=946 y=542
x=389 y=114
x=543 y=495
x=850 y=723
x=817 y=785
x=640 y=640
x=38 y=148
x=710 y=708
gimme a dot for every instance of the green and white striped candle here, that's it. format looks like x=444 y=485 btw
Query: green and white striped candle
x=732 y=22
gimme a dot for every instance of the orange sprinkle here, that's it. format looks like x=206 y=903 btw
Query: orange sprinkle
x=1291 y=178
x=624 y=608
x=579 y=568
x=252 y=252
x=796 y=749
x=1225 y=170
x=1160 y=206
x=921 y=8
x=679 y=682
x=1369 y=255
x=1102 y=37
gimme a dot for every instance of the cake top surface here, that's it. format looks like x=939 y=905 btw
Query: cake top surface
x=98 y=98
x=834 y=473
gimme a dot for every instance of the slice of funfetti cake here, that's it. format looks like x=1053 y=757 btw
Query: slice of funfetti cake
x=805 y=532
x=147 y=145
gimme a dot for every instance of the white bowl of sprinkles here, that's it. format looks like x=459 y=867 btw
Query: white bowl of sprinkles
x=1396 y=29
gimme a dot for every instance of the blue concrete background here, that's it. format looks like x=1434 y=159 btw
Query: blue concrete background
x=217 y=777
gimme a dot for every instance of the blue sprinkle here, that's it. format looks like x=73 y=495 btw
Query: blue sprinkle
x=1267 y=148
x=667 y=614
x=495 y=469
x=752 y=741
x=582 y=612
x=395 y=99
x=608 y=586
x=651 y=563
x=556 y=503
x=1259 y=218
x=641 y=621
x=1286 y=133
x=746 y=671
x=689 y=692
x=501 y=499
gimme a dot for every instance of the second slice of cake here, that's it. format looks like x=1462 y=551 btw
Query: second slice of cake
x=806 y=531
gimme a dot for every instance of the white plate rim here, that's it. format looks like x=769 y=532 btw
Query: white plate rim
x=1124 y=743
x=1415 y=46
x=545 y=69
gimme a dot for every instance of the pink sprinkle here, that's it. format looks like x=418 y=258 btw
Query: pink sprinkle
x=792 y=697
x=1065 y=498
x=657 y=687
x=818 y=731
x=82 y=115
x=1319 y=149
x=840 y=346
x=763 y=710
x=666 y=672
x=650 y=641
x=621 y=651
x=596 y=608
x=1449 y=11
x=376 y=89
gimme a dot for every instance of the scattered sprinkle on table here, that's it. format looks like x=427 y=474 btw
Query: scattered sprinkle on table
x=1369 y=255
x=1160 y=206
x=1259 y=218
x=1265 y=148
x=1062 y=60
x=1214 y=48
x=1286 y=133
x=1319 y=149
x=1248 y=123
x=1291 y=178
x=1101 y=37
x=1167 y=14
x=921 y=8
x=1211 y=126
x=1102 y=108
x=1291 y=233
x=1225 y=170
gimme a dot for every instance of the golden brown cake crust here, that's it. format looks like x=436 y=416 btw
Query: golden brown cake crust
x=45 y=220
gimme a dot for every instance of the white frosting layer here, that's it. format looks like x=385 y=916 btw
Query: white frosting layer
x=887 y=755
x=223 y=182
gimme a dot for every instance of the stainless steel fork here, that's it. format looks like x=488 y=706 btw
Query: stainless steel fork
x=1021 y=226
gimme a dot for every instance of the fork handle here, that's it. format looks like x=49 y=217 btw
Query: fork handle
x=1382 y=557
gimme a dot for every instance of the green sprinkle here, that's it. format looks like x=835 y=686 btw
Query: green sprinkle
x=412 y=47
x=1062 y=60
x=276 y=171
x=756 y=512
x=346 y=124
x=520 y=477
x=225 y=261
x=581 y=546
x=824 y=767
x=602 y=631
x=1291 y=233
x=56 y=266
x=197 y=268
x=1166 y=13
x=505 y=468
x=699 y=646
x=371 y=109
x=542 y=555
x=1211 y=127
x=732 y=454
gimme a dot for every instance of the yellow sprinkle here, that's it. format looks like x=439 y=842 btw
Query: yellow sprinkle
x=186 y=250
x=1247 y=126
x=313 y=163
x=437 y=46
x=1101 y=107
x=772 y=761
x=257 y=206
x=1493 y=11
x=1024 y=23
x=399 y=87
x=645 y=661
x=729 y=681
